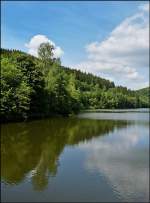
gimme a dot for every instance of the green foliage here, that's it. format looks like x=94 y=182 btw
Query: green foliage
x=144 y=96
x=62 y=98
x=35 y=81
x=39 y=87
x=15 y=91
x=45 y=51
x=22 y=86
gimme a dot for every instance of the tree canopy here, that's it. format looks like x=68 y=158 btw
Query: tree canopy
x=37 y=87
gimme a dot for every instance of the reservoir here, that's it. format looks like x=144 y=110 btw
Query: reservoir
x=93 y=157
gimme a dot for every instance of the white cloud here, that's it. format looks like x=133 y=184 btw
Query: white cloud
x=35 y=42
x=124 y=54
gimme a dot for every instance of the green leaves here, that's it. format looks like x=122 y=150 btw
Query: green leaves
x=61 y=90
x=45 y=51
x=32 y=87
x=15 y=91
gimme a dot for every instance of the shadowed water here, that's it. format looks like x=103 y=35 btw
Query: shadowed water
x=76 y=159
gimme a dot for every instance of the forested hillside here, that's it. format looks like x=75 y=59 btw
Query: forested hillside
x=144 y=94
x=38 y=87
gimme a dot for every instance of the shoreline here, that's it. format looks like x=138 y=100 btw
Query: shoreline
x=139 y=110
x=18 y=120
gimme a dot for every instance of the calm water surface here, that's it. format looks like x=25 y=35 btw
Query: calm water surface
x=96 y=157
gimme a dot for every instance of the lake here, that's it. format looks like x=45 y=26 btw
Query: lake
x=93 y=157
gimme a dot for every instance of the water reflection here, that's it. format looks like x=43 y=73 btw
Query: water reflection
x=123 y=159
x=33 y=149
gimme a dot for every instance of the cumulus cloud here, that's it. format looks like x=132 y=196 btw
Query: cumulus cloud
x=124 y=53
x=35 y=42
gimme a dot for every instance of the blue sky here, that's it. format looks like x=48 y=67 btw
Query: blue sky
x=79 y=30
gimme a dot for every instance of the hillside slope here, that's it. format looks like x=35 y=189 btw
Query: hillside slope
x=31 y=87
x=144 y=91
x=144 y=94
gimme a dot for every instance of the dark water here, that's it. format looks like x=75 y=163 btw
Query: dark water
x=95 y=157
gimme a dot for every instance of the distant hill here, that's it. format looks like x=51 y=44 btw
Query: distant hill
x=144 y=91
x=144 y=94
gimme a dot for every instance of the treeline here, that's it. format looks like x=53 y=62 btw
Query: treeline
x=39 y=87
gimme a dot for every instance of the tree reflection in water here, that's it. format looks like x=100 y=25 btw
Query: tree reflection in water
x=35 y=147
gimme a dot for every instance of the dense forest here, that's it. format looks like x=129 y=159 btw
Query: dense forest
x=144 y=95
x=39 y=87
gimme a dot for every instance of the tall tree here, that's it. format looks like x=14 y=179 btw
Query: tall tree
x=46 y=54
